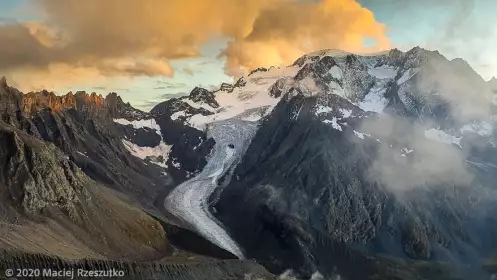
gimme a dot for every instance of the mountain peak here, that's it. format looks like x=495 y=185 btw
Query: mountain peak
x=201 y=95
x=3 y=82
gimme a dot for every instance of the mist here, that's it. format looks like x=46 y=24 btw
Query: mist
x=448 y=104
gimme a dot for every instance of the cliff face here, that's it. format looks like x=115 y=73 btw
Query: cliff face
x=34 y=178
x=81 y=125
x=42 y=191
x=15 y=103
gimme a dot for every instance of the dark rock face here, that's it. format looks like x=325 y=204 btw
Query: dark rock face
x=201 y=95
x=190 y=146
x=260 y=69
x=143 y=137
x=30 y=186
x=81 y=126
x=39 y=183
x=226 y=87
x=189 y=155
x=301 y=176
x=309 y=178
x=96 y=147
x=240 y=83
x=118 y=109
x=277 y=89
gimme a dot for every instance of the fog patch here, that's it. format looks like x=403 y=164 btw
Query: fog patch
x=429 y=163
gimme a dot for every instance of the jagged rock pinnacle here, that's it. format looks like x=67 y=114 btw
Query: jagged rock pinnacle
x=3 y=82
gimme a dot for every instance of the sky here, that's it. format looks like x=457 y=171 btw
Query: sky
x=151 y=50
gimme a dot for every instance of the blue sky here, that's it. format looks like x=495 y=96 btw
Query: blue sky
x=457 y=28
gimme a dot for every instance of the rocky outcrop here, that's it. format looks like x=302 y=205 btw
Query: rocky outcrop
x=190 y=146
x=37 y=178
x=226 y=87
x=201 y=95
x=14 y=102
x=118 y=109
x=260 y=69
x=45 y=190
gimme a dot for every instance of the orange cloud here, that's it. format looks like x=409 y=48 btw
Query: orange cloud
x=284 y=31
x=139 y=37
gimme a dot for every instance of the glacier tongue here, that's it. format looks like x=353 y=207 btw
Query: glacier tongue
x=188 y=201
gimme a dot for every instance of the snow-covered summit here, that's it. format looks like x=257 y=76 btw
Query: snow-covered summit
x=418 y=82
x=247 y=99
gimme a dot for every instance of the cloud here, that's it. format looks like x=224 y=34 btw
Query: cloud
x=171 y=85
x=140 y=37
x=427 y=164
x=121 y=89
x=443 y=96
x=189 y=71
x=172 y=95
x=283 y=32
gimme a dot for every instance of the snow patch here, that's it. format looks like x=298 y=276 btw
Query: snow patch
x=345 y=113
x=144 y=152
x=176 y=164
x=317 y=276
x=374 y=101
x=177 y=115
x=406 y=151
x=287 y=275
x=407 y=75
x=323 y=110
x=81 y=154
x=255 y=94
x=336 y=72
x=148 y=123
x=333 y=123
x=200 y=105
x=383 y=72
x=335 y=88
x=361 y=135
